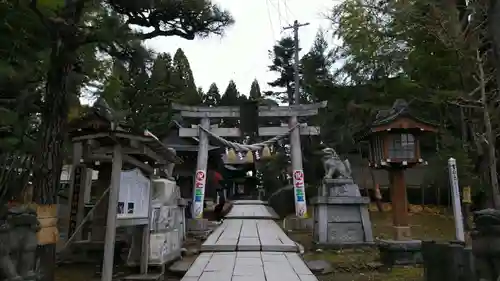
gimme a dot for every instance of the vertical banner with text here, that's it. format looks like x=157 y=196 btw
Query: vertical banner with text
x=299 y=194
x=75 y=199
x=199 y=193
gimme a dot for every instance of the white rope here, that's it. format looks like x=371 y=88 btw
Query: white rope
x=247 y=147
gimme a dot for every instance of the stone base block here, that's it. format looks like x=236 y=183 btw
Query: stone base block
x=394 y=252
x=341 y=222
x=298 y=224
x=197 y=225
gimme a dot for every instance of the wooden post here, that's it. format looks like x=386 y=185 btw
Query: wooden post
x=145 y=232
x=399 y=204
x=467 y=201
x=109 y=242
x=201 y=170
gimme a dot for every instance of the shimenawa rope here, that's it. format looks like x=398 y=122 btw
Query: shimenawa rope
x=247 y=147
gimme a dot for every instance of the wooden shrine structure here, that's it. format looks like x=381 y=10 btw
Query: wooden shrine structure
x=253 y=112
x=101 y=143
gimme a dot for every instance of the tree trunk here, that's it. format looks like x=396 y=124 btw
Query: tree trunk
x=49 y=159
x=492 y=159
x=494 y=32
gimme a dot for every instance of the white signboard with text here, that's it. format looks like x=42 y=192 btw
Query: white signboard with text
x=134 y=195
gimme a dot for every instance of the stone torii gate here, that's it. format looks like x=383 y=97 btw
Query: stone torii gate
x=205 y=113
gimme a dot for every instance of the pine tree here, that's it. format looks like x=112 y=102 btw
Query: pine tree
x=212 y=97
x=255 y=93
x=77 y=31
x=144 y=96
x=183 y=80
x=231 y=97
x=160 y=95
x=317 y=80
x=282 y=58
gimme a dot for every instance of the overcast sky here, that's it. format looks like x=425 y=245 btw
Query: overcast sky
x=242 y=53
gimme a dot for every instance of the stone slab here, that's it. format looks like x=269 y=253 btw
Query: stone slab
x=248 y=235
x=343 y=213
x=251 y=212
x=249 y=202
x=249 y=266
x=345 y=232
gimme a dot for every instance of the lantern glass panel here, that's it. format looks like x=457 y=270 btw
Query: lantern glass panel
x=402 y=146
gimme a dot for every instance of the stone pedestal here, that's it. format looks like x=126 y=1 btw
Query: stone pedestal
x=197 y=227
x=341 y=215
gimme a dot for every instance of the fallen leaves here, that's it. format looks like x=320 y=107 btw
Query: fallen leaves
x=430 y=209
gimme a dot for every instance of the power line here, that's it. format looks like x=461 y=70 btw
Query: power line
x=279 y=13
x=270 y=20
x=287 y=9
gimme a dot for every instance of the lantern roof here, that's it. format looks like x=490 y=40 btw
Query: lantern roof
x=398 y=117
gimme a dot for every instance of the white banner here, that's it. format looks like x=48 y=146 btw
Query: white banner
x=299 y=194
x=199 y=193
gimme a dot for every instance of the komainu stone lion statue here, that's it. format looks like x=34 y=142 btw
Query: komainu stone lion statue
x=334 y=167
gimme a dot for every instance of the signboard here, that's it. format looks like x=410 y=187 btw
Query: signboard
x=199 y=193
x=300 y=195
x=134 y=196
x=75 y=198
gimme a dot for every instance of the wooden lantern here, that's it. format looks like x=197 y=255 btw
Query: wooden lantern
x=394 y=145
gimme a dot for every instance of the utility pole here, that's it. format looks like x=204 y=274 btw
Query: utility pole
x=296 y=151
x=295 y=28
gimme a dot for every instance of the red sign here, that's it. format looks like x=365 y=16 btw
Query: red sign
x=298 y=179
x=200 y=179
x=200 y=175
x=298 y=175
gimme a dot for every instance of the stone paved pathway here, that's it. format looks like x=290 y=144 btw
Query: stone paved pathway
x=251 y=247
